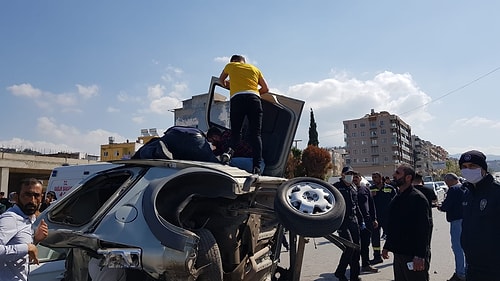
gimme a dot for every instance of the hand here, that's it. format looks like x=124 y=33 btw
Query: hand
x=375 y=224
x=418 y=264
x=33 y=253
x=385 y=254
x=362 y=226
x=41 y=232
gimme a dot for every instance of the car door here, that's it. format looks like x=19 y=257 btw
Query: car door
x=279 y=123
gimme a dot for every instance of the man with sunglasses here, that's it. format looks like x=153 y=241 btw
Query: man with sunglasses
x=17 y=238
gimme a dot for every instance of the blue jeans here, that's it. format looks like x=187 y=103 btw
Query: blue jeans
x=455 y=232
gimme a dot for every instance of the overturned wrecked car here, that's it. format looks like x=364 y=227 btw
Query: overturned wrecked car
x=176 y=219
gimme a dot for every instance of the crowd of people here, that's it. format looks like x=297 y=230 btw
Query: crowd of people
x=399 y=212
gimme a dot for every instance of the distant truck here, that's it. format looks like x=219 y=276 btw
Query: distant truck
x=63 y=178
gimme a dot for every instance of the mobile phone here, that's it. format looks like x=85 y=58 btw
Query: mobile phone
x=410 y=265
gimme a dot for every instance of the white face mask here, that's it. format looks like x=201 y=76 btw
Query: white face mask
x=472 y=175
x=348 y=178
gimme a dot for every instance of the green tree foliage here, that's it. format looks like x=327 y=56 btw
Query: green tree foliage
x=313 y=131
x=316 y=161
x=294 y=167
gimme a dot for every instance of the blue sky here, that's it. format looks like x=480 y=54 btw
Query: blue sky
x=73 y=73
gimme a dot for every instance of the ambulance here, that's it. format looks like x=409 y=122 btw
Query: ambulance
x=63 y=178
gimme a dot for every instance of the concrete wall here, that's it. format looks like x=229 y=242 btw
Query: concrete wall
x=14 y=167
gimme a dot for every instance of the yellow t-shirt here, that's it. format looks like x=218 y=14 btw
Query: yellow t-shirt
x=243 y=77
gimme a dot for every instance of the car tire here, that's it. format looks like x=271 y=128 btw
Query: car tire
x=209 y=260
x=309 y=207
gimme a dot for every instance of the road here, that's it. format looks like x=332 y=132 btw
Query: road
x=321 y=257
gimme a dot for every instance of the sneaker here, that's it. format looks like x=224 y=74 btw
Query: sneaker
x=376 y=260
x=226 y=156
x=256 y=171
x=455 y=277
x=369 y=268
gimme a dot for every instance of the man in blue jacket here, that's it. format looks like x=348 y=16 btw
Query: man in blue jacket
x=452 y=205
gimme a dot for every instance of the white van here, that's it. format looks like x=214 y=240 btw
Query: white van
x=63 y=178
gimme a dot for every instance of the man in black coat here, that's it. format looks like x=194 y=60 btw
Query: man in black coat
x=408 y=229
x=480 y=224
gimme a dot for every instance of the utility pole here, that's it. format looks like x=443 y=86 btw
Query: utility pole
x=296 y=141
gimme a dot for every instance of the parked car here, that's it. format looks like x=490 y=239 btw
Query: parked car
x=442 y=185
x=438 y=189
x=174 y=219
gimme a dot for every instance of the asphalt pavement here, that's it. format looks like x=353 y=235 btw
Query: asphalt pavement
x=321 y=257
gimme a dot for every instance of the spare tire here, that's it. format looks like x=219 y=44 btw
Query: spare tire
x=309 y=207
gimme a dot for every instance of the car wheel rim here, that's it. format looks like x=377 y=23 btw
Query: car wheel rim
x=310 y=198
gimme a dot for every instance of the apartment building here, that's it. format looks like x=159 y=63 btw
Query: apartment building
x=379 y=141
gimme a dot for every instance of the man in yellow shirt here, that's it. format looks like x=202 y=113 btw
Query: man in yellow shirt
x=246 y=84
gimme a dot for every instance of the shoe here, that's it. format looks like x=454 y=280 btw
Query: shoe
x=341 y=277
x=226 y=156
x=256 y=171
x=455 y=277
x=356 y=279
x=369 y=268
x=376 y=260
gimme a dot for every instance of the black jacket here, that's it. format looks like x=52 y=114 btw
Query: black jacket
x=350 y=195
x=408 y=225
x=481 y=226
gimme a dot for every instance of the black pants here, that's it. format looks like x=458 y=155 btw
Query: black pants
x=349 y=231
x=250 y=106
x=365 y=238
x=375 y=237
x=402 y=273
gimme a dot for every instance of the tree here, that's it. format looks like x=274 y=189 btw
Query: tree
x=313 y=132
x=316 y=161
x=294 y=167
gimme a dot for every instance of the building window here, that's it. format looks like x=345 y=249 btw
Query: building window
x=383 y=131
x=375 y=160
x=373 y=133
x=354 y=151
x=355 y=125
x=353 y=135
x=361 y=125
x=362 y=134
x=117 y=153
x=363 y=142
x=374 y=142
x=105 y=154
x=381 y=123
x=364 y=151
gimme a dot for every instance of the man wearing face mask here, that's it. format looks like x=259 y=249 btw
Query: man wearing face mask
x=480 y=224
x=350 y=226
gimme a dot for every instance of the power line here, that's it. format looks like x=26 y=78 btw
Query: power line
x=455 y=90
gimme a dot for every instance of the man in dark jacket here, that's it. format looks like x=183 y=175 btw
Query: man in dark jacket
x=452 y=205
x=350 y=226
x=480 y=225
x=408 y=229
x=367 y=208
x=382 y=194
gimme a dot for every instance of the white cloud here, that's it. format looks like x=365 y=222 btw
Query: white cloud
x=111 y=109
x=25 y=90
x=156 y=91
x=343 y=98
x=88 y=91
x=164 y=105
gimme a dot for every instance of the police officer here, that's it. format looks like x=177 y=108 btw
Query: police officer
x=350 y=226
x=382 y=194
x=480 y=228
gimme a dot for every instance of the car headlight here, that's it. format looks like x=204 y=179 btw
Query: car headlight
x=121 y=257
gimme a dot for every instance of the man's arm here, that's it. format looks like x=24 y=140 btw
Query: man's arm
x=263 y=86
x=222 y=79
x=8 y=230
